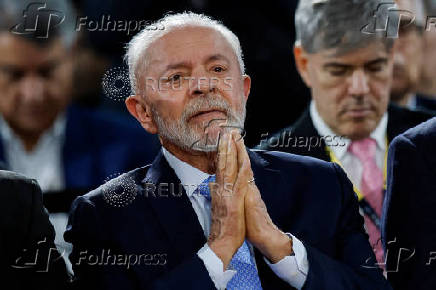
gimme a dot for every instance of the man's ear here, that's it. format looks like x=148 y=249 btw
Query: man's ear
x=142 y=112
x=247 y=85
x=301 y=61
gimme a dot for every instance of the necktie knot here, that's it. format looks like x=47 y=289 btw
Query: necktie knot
x=363 y=149
x=203 y=188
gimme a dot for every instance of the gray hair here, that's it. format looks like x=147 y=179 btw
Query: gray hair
x=327 y=24
x=13 y=12
x=136 y=50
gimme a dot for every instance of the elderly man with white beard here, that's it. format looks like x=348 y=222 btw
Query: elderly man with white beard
x=245 y=219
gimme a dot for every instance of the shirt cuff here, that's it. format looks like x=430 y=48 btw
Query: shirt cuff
x=214 y=266
x=292 y=269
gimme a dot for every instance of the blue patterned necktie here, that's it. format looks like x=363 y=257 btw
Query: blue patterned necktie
x=246 y=276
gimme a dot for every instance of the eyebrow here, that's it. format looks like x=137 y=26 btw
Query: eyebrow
x=184 y=64
x=379 y=60
x=217 y=57
x=48 y=64
x=336 y=65
x=176 y=66
x=341 y=65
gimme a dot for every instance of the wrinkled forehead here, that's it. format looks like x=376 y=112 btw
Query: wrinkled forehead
x=189 y=44
x=17 y=50
x=374 y=50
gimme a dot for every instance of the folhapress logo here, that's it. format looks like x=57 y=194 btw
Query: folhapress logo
x=38 y=20
x=387 y=18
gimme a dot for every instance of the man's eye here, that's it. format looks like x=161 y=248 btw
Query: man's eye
x=218 y=69
x=174 y=77
x=375 y=68
x=15 y=75
x=46 y=72
x=338 y=72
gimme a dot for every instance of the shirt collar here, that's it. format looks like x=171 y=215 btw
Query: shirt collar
x=189 y=176
x=379 y=134
x=57 y=130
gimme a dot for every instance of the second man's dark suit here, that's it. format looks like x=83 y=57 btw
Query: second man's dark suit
x=399 y=120
x=409 y=221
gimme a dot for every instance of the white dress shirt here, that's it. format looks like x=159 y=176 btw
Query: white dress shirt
x=292 y=269
x=350 y=163
x=44 y=162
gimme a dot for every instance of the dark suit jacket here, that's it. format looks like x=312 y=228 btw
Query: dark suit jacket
x=25 y=235
x=307 y=197
x=399 y=120
x=97 y=146
x=425 y=103
x=409 y=220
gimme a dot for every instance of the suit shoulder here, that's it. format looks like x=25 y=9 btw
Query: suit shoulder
x=283 y=159
x=421 y=137
x=426 y=130
x=14 y=184
x=120 y=189
x=404 y=119
x=11 y=176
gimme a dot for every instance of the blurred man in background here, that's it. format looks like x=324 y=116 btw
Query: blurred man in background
x=427 y=85
x=349 y=72
x=66 y=148
x=410 y=57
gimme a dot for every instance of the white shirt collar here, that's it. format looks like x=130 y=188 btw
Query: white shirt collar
x=189 y=176
x=57 y=130
x=379 y=134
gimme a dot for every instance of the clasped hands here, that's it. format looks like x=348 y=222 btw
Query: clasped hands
x=238 y=211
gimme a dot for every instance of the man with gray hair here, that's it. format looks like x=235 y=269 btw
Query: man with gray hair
x=208 y=213
x=344 y=55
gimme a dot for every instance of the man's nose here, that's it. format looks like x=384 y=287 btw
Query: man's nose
x=359 y=83
x=201 y=84
x=32 y=88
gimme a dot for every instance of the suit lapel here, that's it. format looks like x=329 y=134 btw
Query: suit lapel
x=174 y=211
x=269 y=182
x=304 y=127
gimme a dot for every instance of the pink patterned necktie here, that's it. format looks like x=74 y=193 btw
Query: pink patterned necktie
x=371 y=188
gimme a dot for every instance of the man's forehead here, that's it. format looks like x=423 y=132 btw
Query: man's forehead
x=190 y=43
x=23 y=50
x=367 y=53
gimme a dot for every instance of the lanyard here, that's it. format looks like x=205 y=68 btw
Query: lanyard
x=334 y=159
